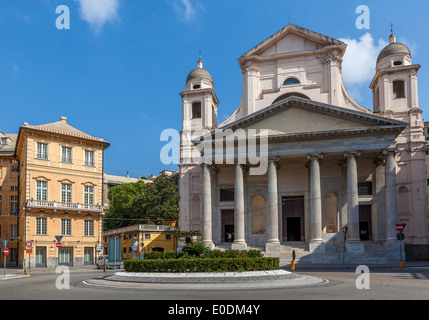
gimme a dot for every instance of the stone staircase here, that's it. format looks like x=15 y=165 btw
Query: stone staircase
x=374 y=254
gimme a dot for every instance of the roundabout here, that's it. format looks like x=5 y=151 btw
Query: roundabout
x=209 y=280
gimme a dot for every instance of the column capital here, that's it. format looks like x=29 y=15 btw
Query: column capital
x=391 y=150
x=274 y=158
x=355 y=154
x=311 y=156
x=379 y=161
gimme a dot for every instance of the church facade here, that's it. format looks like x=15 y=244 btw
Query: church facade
x=338 y=176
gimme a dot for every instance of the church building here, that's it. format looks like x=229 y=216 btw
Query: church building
x=339 y=176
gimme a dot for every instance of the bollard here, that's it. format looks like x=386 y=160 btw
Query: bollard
x=292 y=265
x=401 y=264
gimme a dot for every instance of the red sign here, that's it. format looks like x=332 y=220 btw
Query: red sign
x=58 y=245
x=5 y=251
x=399 y=227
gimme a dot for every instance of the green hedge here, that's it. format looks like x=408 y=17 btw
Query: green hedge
x=211 y=254
x=201 y=265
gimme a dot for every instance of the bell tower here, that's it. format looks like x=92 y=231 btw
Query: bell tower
x=395 y=95
x=199 y=107
x=394 y=86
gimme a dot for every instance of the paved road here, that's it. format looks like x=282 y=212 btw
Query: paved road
x=384 y=284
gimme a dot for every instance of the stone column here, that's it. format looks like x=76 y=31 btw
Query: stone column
x=391 y=195
x=273 y=242
x=207 y=207
x=239 y=226
x=353 y=240
x=316 y=240
x=380 y=191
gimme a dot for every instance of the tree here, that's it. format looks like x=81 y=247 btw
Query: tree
x=142 y=203
x=187 y=235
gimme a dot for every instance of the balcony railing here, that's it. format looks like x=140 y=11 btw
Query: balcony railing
x=44 y=204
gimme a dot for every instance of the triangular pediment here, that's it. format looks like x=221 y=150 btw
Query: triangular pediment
x=302 y=119
x=292 y=39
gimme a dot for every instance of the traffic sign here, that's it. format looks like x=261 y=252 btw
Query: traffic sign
x=400 y=236
x=58 y=238
x=4 y=242
x=58 y=245
x=5 y=251
x=134 y=247
x=28 y=245
x=399 y=227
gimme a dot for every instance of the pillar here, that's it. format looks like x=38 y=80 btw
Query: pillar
x=353 y=240
x=273 y=242
x=207 y=207
x=316 y=240
x=391 y=195
x=239 y=226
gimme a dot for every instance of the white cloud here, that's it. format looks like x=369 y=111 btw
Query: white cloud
x=185 y=9
x=98 y=12
x=360 y=59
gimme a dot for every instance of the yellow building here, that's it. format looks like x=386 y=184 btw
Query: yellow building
x=150 y=238
x=9 y=196
x=60 y=194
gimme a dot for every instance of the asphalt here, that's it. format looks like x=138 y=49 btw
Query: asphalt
x=261 y=279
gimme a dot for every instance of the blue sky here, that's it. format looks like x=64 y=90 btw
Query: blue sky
x=118 y=71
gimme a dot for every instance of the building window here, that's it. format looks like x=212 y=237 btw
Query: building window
x=290 y=81
x=398 y=89
x=41 y=226
x=147 y=236
x=42 y=151
x=88 y=228
x=3 y=141
x=1 y=205
x=88 y=195
x=196 y=110
x=89 y=158
x=13 y=205
x=13 y=231
x=66 y=227
x=66 y=195
x=14 y=189
x=66 y=154
x=168 y=237
x=365 y=188
x=41 y=190
x=226 y=194
x=14 y=168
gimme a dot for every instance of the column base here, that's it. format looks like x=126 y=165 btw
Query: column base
x=239 y=246
x=395 y=250
x=273 y=246
x=209 y=244
x=355 y=247
x=316 y=247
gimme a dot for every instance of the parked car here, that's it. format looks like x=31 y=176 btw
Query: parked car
x=110 y=264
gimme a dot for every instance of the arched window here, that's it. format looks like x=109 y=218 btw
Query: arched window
x=291 y=94
x=398 y=89
x=329 y=213
x=403 y=200
x=196 y=110
x=290 y=81
x=258 y=215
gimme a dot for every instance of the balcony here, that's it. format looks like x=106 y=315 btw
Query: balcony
x=54 y=205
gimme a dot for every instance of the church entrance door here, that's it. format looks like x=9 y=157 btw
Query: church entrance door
x=293 y=218
x=227 y=225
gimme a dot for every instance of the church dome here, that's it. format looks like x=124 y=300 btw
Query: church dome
x=393 y=48
x=199 y=73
